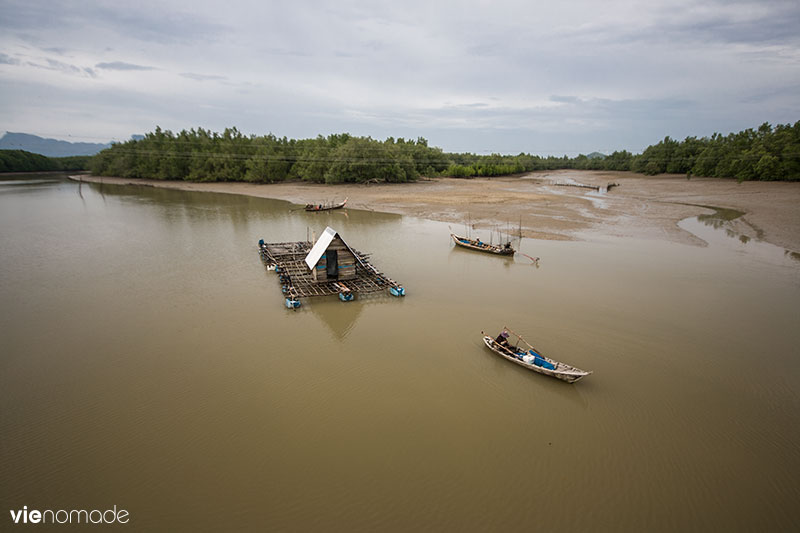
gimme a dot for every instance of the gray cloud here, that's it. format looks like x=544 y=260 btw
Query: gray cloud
x=504 y=76
x=65 y=67
x=564 y=99
x=5 y=59
x=54 y=65
x=202 y=77
x=764 y=23
x=143 y=21
x=687 y=21
x=121 y=65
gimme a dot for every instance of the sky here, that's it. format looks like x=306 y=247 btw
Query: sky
x=496 y=76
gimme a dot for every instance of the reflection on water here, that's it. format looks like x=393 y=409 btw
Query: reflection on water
x=725 y=227
x=147 y=360
x=5 y=182
x=720 y=216
x=339 y=318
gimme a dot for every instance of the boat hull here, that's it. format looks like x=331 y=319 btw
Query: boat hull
x=323 y=207
x=483 y=247
x=562 y=371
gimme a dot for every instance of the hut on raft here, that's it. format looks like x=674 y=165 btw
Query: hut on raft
x=330 y=259
x=329 y=266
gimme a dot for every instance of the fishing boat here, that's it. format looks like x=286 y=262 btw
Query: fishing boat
x=532 y=359
x=477 y=244
x=325 y=207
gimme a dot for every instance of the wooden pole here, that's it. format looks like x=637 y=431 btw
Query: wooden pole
x=506 y=328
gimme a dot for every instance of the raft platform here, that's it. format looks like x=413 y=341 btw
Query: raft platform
x=287 y=260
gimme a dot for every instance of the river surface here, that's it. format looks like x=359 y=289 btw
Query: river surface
x=147 y=361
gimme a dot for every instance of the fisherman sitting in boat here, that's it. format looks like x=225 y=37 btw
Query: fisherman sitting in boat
x=502 y=342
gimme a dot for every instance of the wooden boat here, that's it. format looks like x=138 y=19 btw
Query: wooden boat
x=476 y=244
x=325 y=207
x=532 y=359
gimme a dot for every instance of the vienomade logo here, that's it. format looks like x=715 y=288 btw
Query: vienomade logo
x=34 y=516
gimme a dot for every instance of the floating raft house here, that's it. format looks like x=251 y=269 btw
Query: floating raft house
x=329 y=266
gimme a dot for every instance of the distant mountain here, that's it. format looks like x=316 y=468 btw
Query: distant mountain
x=48 y=147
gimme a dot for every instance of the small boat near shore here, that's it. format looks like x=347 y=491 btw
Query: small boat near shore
x=325 y=207
x=479 y=246
x=532 y=359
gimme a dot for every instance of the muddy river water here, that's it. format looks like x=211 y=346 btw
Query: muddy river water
x=147 y=361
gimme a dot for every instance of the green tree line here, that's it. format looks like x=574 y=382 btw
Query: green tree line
x=22 y=161
x=201 y=155
x=767 y=153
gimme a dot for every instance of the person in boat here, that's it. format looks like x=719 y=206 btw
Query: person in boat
x=502 y=341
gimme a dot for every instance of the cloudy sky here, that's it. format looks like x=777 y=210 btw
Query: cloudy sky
x=543 y=77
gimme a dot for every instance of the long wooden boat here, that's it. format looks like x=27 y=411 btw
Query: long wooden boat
x=476 y=244
x=532 y=359
x=325 y=207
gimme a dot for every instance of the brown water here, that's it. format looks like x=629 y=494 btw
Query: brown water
x=147 y=361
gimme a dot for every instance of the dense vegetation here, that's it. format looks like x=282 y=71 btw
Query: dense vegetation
x=22 y=161
x=768 y=153
x=201 y=155
x=764 y=154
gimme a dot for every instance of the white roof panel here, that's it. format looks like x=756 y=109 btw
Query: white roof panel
x=320 y=246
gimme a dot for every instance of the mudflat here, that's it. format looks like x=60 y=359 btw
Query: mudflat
x=554 y=204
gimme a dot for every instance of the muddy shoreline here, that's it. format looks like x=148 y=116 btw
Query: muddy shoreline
x=640 y=206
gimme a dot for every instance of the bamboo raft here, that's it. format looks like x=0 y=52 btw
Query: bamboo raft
x=287 y=260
